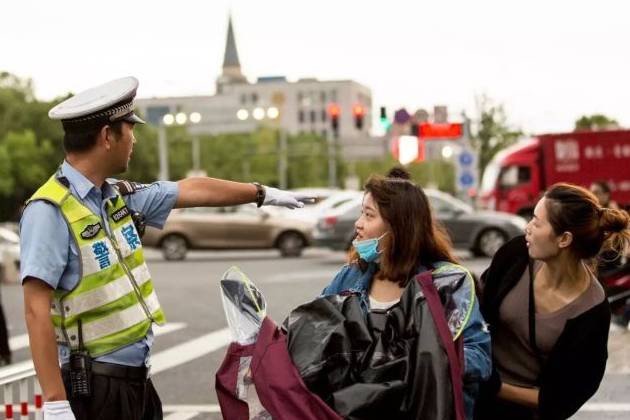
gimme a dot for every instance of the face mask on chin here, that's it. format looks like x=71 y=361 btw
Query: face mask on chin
x=368 y=248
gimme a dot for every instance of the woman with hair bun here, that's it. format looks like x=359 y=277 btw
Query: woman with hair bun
x=549 y=316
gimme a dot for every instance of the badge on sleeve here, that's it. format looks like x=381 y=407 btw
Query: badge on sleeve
x=129 y=187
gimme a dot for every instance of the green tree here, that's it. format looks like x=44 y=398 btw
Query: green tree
x=493 y=132
x=438 y=173
x=595 y=122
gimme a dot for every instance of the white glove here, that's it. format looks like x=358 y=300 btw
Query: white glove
x=58 y=410
x=292 y=200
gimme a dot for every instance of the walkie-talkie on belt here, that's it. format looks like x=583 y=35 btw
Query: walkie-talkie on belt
x=80 y=369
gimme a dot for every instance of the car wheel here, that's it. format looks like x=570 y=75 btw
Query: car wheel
x=489 y=242
x=290 y=244
x=174 y=247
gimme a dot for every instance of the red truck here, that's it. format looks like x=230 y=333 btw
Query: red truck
x=517 y=176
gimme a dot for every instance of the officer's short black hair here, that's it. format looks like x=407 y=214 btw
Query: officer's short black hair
x=75 y=141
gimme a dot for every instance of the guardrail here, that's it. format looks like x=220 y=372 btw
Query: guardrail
x=20 y=379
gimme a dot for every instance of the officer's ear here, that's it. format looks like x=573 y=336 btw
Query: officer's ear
x=107 y=136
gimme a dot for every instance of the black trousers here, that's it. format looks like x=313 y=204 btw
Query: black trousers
x=116 y=399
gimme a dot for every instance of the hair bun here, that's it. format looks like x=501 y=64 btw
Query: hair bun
x=398 y=172
x=613 y=220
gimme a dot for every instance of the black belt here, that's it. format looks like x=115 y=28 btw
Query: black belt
x=134 y=373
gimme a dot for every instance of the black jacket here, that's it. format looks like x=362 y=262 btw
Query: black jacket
x=577 y=362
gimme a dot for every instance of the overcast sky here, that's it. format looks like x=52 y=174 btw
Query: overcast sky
x=547 y=61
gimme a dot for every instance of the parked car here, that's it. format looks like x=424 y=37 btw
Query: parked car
x=239 y=227
x=481 y=232
x=312 y=213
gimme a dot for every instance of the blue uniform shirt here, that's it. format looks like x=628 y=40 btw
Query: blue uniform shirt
x=48 y=252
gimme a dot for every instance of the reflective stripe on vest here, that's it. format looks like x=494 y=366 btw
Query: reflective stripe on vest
x=114 y=297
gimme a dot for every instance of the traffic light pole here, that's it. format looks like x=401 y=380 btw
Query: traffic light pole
x=163 y=152
x=282 y=159
x=332 y=161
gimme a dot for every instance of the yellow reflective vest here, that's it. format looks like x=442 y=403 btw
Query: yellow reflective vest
x=114 y=298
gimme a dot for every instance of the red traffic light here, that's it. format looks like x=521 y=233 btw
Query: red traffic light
x=334 y=110
x=358 y=110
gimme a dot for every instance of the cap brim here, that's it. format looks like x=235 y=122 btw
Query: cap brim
x=133 y=118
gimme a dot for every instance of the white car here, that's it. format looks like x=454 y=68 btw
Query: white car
x=312 y=213
x=9 y=246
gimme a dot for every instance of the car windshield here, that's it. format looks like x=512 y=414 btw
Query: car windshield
x=442 y=202
x=490 y=175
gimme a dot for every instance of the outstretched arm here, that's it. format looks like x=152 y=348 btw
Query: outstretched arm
x=212 y=192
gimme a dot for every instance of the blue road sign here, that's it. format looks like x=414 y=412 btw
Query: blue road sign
x=466 y=180
x=466 y=158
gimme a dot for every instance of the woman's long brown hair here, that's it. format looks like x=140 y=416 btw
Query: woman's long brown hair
x=415 y=237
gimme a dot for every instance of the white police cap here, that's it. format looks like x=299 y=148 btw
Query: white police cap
x=95 y=107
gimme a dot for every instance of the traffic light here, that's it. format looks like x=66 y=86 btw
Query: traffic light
x=383 y=119
x=415 y=129
x=359 y=112
x=333 y=113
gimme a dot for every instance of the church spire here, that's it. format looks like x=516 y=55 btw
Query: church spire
x=230 y=59
x=231 y=65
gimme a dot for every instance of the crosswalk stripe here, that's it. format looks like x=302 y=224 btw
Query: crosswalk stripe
x=606 y=407
x=157 y=331
x=181 y=416
x=209 y=408
x=190 y=350
x=21 y=341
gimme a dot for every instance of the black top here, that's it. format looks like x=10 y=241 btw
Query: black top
x=576 y=364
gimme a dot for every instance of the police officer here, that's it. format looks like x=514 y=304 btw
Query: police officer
x=82 y=264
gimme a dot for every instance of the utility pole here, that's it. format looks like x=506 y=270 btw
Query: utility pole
x=196 y=153
x=282 y=159
x=163 y=151
x=333 y=136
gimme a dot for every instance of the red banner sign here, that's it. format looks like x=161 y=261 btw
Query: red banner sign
x=428 y=131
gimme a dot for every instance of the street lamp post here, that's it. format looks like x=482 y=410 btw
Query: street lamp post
x=272 y=113
x=180 y=118
x=167 y=120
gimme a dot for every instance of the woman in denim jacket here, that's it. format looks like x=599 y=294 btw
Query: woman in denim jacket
x=397 y=238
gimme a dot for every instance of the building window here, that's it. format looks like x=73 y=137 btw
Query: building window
x=323 y=97
x=300 y=96
x=333 y=95
x=254 y=98
x=324 y=115
x=301 y=116
x=243 y=99
x=313 y=116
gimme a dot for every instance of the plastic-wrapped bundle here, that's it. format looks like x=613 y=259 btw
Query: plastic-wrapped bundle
x=257 y=380
x=244 y=306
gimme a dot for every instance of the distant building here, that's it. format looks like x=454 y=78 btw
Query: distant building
x=239 y=106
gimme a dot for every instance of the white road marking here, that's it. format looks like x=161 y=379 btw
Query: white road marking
x=186 y=415
x=190 y=350
x=179 y=412
x=210 y=408
x=21 y=341
x=606 y=407
x=157 y=331
x=299 y=277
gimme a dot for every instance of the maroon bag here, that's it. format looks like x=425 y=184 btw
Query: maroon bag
x=279 y=394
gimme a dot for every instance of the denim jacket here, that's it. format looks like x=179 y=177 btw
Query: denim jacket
x=466 y=320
